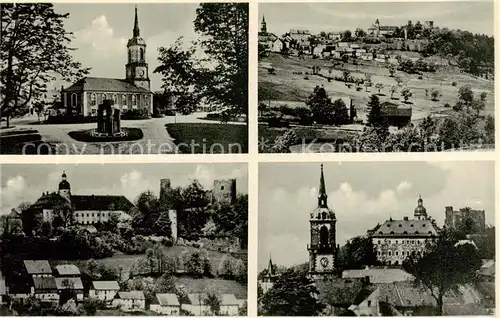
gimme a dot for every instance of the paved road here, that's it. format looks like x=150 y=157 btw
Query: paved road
x=156 y=138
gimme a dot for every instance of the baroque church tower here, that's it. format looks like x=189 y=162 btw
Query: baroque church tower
x=263 y=26
x=65 y=188
x=137 y=68
x=322 y=248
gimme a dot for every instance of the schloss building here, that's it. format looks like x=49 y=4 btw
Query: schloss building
x=132 y=93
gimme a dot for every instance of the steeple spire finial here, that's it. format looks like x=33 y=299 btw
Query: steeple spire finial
x=322 y=191
x=136 y=24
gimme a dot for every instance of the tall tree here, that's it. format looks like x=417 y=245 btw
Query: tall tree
x=358 y=252
x=375 y=116
x=321 y=106
x=34 y=50
x=444 y=267
x=180 y=71
x=293 y=294
x=224 y=30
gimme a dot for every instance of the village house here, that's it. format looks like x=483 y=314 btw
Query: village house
x=104 y=290
x=229 y=305
x=45 y=289
x=69 y=270
x=300 y=36
x=277 y=45
x=166 y=304
x=73 y=284
x=335 y=36
x=134 y=299
x=397 y=115
x=38 y=268
x=196 y=305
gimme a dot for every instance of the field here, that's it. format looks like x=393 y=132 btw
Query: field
x=287 y=85
x=191 y=284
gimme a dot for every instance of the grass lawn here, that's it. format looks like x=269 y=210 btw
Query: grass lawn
x=287 y=85
x=211 y=138
x=23 y=142
x=308 y=134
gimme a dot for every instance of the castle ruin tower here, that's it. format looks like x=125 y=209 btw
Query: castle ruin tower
x=65 y=188
x=322 y=248
x=136 y=68
x=165 y=188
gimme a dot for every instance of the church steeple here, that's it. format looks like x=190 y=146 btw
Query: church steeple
x=137 y=32
x=270 y=267
x=136 y=69
x=322 y=197
x=263 y=25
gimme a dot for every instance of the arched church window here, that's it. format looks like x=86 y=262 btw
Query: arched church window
x=323 y=215
x=129 y=55
x=124 y=100
x=323 y=236
x=141 y=54
x=115 y=99
x=103 y=97
x=93 y=99
x=73 y=99
x=134 y=100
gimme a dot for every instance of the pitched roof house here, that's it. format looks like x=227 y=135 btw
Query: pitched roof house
x=38 y=267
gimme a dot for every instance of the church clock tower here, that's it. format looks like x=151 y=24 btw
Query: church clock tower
x=137 y=68
x=322 y=248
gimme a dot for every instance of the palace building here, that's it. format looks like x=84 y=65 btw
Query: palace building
x=322 y=248
x=395 y=240
x=131 y=93
x=87 y=209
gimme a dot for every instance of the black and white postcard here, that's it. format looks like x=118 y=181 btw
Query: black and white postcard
x=123 y=240
x=376 y=239
x=118 y=78
x=376 y=77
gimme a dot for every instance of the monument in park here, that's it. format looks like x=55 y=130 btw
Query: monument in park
x=108 y=120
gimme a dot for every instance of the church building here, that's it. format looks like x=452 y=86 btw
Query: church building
x=131 y=93
x=87 y=209
x=322 y=248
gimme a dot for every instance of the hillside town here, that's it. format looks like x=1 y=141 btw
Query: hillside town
x=369 y=87
x=69 y=254
x=401 y=267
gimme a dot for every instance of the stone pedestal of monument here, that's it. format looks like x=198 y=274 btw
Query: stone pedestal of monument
x=108 y=120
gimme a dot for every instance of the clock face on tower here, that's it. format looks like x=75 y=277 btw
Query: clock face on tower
x=141 y=72
x=324 y=262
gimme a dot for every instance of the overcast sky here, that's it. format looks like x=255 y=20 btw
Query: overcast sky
x=361 y=194
x=25 y=183
x=473 y=16
x=102 y=31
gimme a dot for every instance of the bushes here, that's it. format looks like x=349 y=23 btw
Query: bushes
x=136 y=114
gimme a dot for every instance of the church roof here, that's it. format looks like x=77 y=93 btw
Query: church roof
x=405 y=228
x=102 y=84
